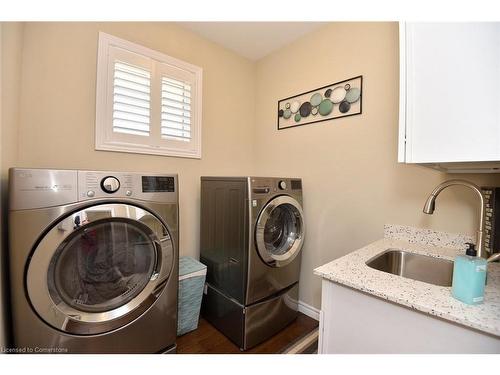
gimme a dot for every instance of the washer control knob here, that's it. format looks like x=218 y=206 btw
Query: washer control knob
x=110 y=184
x=282 y=185
x=128 y=193
x=90 y=193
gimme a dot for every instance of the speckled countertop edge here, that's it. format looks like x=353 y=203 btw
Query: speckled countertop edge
x=351 y=270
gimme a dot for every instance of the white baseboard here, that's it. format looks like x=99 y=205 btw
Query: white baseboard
x=309 y=310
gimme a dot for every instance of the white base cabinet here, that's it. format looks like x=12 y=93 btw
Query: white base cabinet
x=355 y=322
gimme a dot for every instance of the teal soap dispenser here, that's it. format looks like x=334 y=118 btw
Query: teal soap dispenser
x=469 y=277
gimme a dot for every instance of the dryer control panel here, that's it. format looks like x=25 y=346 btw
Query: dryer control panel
x=273 y=185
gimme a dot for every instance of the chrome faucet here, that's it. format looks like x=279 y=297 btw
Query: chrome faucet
x=430 y=205
x=494 y=257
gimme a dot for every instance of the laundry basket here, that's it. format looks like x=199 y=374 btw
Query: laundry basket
x=191 y=282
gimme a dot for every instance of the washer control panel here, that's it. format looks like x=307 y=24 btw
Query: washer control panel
x=156 y=184
x=150 y=187
x=110 y=184
x=40 y=188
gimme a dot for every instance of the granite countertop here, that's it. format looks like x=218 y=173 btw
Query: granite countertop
x=351 y=270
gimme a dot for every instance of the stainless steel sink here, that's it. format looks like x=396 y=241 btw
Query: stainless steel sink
x=414 y=266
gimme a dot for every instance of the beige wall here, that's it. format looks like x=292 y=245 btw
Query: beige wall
x=57 y=107
x=352 y=181
x=11 y=78
x=55 y=128
x=10 y=63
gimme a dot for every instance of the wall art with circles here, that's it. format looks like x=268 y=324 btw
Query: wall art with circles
x=329 y=102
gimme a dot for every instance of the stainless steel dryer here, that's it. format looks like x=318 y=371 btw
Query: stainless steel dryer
x=93 y=261
x=252 y=232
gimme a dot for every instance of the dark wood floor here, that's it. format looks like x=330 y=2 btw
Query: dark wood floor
x=207 y=340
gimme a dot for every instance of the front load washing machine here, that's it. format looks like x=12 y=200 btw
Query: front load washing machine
x=93 y=261
x=252 y=233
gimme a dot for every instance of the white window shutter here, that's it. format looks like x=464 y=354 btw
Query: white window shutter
x=131 y=99
x=175 y=110
x=147 y=102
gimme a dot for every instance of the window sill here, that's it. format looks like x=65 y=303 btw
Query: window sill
x=159 y=151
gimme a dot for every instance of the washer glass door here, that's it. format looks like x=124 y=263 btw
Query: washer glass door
x=99 y=268
x=102 y=266
x=280 y=231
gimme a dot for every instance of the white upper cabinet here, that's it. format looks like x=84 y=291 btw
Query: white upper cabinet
x=450 y=95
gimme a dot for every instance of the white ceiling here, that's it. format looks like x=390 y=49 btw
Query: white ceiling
x=252 y=40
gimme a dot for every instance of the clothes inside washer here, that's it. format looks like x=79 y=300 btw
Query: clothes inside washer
x=102 y=266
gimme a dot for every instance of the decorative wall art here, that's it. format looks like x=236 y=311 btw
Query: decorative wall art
x=329 y=102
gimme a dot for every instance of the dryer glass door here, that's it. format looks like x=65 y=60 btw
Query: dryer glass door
x=280 y=231
x=99 y=268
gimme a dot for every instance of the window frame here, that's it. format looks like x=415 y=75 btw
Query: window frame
x=108 y=140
